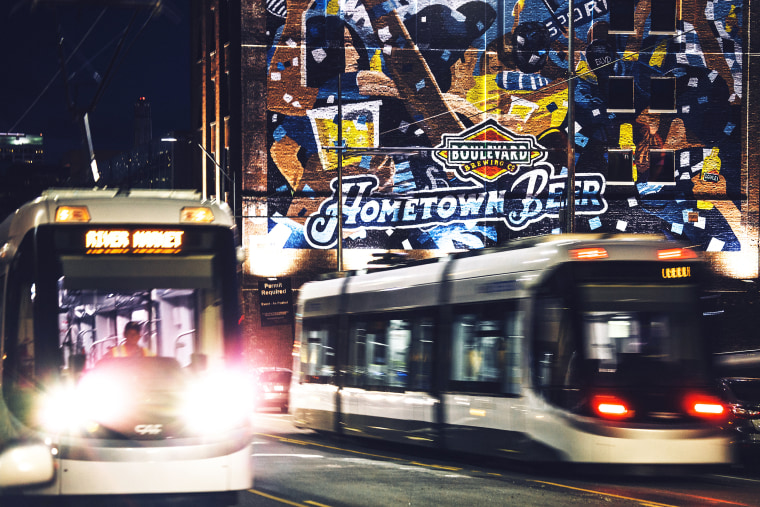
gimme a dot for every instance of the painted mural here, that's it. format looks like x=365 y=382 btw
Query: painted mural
x=461 y=108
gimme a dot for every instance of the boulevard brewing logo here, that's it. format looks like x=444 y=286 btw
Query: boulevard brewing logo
x=530 y=189
x=487 y=151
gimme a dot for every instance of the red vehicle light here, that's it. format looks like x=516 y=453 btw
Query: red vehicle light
x=676 y=254
x=584 y=254
x=611 y=407
x=744 y=413
x=705 y=406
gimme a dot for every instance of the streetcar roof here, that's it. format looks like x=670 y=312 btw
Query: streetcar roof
x=106 y=206
x=479 y=274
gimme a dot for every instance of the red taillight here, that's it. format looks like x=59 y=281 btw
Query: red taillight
x=676 y=254
x=610 y=407
x=705 y=406
x=744 y=413
x=584 y=254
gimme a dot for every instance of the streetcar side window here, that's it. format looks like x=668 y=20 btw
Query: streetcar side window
x=378 y=352
x=486 y=343
x=2 y=295
x=421 y=354
x=391 y=351
x=318 y=351
x=555 y=353
x=19 y=365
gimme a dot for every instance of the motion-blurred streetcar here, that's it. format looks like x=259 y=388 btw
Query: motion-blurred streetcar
x=75 y=267
x=571 y=348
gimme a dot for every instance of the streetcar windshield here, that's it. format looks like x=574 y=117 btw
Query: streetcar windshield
x=80 y=315
x=641 y=333
x=92 y=323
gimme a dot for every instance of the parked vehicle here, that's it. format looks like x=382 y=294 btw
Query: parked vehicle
x=273 y=388
x=742 y=395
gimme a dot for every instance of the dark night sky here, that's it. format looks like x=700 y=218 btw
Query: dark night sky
x=155 y=64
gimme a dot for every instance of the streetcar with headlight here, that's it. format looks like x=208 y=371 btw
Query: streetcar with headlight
x=583 y=349
x=80 y=268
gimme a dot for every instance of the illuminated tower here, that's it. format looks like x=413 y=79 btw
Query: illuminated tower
x=142 y=123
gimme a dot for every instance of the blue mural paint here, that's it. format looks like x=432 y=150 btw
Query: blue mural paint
x=432 y=197
x=532 y=196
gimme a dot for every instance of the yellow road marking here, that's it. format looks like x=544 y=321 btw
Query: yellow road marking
x=440 y=467
x=304 y=442
x=275 y=498
x=648 y=503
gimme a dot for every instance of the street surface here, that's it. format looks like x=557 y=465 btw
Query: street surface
x=302 y=468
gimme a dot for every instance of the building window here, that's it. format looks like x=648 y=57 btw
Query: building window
x=621 y=16
x=620 y=167
x=226 y=132
x=662 y=95
x=663 y=17
x=620 y=96
x=662 y=169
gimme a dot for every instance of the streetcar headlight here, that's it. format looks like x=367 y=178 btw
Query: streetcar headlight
x=218 y=401
x=58 y=413
x=97 y=399
x=102 y=397
x=72 y=214
x=196 y=214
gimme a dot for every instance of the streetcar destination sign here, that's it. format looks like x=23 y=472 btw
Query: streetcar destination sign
x=142 y=241
x=677 y=272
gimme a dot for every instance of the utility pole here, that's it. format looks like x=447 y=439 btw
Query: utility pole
x=339 y=190
x=569 y=216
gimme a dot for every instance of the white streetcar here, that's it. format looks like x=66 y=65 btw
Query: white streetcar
x=565 y=348
x=79 y=271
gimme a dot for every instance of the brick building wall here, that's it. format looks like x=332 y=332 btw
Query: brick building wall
x=662 y=128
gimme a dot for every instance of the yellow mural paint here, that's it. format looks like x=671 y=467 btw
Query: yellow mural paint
x=630 y=55
x=485 y=93
x=360 y=122
x=376 y=62
x=333 y=8
x=523 y=109
x=711 y=166
x=659 y=54
x=704 y=205
x=710 y=173
x=626 y=143
x=559 y=114
x=584 y=72
x=517 y=9
x=354 y=135
x=731 y=21
x=626 y=136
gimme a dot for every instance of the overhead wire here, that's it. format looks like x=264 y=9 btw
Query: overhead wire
x=554 y=84
x=58 y=72
x=107 y=78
